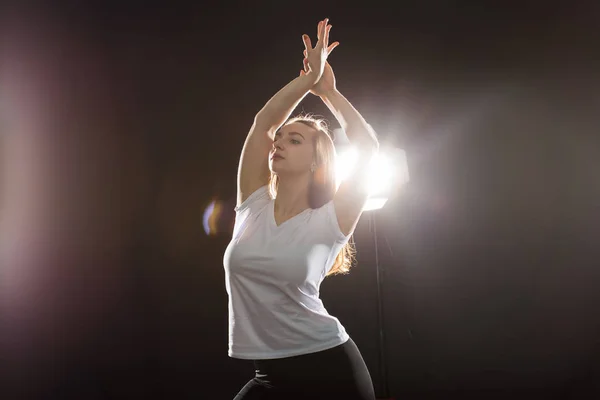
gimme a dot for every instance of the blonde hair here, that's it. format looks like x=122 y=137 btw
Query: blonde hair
x=323 y=185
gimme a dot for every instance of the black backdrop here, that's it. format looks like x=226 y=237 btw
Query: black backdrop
x=120 y=123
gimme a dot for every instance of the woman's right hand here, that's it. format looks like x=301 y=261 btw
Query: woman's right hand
x=315 y=58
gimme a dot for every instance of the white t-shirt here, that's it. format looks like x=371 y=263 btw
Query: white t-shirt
x=272 y=276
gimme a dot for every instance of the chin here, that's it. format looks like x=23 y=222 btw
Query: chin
x=275 y=167
x=282 y=169
x=277 y=171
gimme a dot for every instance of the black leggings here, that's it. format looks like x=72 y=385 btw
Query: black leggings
x=336 y=373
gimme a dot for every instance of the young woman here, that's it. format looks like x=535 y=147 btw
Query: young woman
x=291 y=230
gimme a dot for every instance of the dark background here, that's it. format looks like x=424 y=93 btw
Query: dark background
x=121 y=123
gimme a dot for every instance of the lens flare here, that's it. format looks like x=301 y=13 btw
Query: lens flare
x=211 y=216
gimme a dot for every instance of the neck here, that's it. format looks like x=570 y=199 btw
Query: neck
x=292 y=195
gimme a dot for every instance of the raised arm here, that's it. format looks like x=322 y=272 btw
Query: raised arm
x=253 y=169
x=353 y=192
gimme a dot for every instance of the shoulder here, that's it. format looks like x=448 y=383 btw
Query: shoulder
x=257 y=200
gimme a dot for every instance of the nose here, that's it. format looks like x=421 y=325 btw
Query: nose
x=277 y=145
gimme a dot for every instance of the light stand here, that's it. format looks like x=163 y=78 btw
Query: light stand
x=380 y=317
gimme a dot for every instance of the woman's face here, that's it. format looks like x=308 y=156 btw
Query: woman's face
x=293 y=149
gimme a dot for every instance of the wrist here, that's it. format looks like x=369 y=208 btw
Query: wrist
x=311 y=78
x=328 y=94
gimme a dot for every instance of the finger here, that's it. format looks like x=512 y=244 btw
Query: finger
x=323 y=28
x=326 y=36
x=305 y=53
x=302 y=72
x=319 y=28
x=306 y=67
x=307 y=43
x=332 y=46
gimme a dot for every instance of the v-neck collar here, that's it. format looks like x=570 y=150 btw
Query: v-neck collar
x=272 y=216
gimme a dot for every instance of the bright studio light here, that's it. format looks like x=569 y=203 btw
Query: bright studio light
x=387 y=170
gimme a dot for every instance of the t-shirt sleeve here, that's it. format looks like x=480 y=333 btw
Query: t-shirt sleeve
x=329 y=217
x=256 y=200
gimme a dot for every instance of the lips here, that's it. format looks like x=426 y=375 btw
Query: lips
x=277 y=157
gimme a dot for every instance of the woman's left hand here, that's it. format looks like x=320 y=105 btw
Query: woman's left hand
x=316 y=58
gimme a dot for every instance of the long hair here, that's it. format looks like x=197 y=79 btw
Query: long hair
x=323 y=184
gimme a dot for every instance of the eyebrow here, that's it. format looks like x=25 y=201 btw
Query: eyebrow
x=296 y=134
x=291 y=134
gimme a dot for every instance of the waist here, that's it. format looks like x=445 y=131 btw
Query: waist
x=309 y=359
